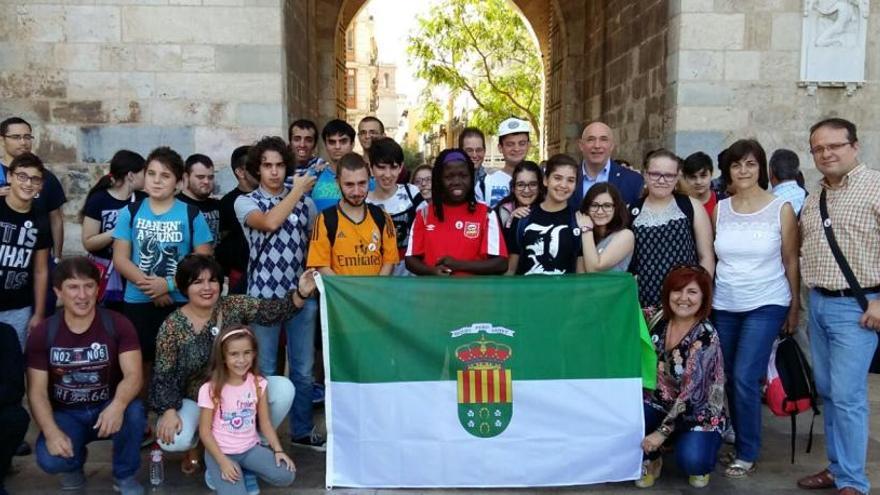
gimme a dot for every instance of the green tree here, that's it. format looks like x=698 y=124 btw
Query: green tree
x=483 y=49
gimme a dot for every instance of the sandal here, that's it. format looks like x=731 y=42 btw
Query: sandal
x=190 y=464
x=739 y=469
x=819 y=481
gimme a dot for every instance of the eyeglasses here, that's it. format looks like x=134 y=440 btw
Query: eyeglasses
x=526 y=185
x=833 y=147
x=606 y=207
x=661 y=177
x=424 y=181
x=19 y=137
x=24 y=178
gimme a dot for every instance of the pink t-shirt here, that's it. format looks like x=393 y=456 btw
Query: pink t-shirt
x=235 y=425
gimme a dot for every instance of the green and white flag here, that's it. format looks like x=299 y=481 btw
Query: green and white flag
x=484 y=381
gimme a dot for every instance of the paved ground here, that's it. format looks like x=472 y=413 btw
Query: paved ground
x=775 y=473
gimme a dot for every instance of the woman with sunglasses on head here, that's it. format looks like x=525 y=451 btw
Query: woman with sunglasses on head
x=546 y=241
x=606 y=242
x=687 y=406
x=757 y=288
x=670 y=229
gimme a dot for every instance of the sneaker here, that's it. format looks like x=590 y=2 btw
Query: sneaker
x=650 y=472
x=318 y=394
x=25 y=449
x=699 y=481
x=128 y=486
x=251 y=484
x=73 y=480
x=313 y=441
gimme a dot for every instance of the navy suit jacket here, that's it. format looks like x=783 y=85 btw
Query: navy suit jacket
x=628 y=182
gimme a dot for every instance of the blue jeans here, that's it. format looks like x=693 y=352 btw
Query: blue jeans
x=746 y=342
x=842 y=352
x=78 y=425
x=696 y=452
x=258 y=460
x=301 y=361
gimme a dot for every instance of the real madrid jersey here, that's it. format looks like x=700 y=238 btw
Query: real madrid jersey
x=359 y=248
x=463 y=234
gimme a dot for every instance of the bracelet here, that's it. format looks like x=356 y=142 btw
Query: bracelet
x=300 y=294
x=585 y=229
x=664 y=430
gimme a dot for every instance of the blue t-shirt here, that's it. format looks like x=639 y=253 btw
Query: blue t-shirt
x=159 y=242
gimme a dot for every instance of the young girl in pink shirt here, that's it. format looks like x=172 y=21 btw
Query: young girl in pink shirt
x=235 y=409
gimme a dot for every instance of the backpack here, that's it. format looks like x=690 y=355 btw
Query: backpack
x=191 y=213
x=331 y=223
x=790 y=389
x=53 y=323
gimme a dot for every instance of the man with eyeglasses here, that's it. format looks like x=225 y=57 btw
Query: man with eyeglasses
x=596 y=145
x=513 y=144
x=24 y=248
x=473 y=142
x=18 y=138
x=843 y=334
x=369 y=128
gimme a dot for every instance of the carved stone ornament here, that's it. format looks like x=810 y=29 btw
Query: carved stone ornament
x=833 y=44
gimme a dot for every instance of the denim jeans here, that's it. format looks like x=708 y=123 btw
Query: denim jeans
x=301 y=361
x=842 y=352
x=258 y=460
x=78 y=424
x=280 y=393
x=696 y=452
x=746 y=342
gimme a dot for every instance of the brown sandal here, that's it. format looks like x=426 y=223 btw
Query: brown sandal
x=190 y=464
x=819 y=481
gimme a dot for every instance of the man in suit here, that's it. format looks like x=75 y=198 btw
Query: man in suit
x=596 y=145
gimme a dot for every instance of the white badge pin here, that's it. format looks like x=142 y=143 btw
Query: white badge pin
x=372 y=247
x=635 y=211
x=215 y=331
x=827 y=222
x=28 y=224
x=459 y=224
x=576 y=231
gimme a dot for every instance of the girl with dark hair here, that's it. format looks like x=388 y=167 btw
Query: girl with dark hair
x=606 y=242
x=454 y=234
x=526 y=189
x=546 y=241
x=421 y=178
x=234 y=405
x=121 y=186
x=757 y=289
x=687 y=408
x=670 y=229
x=184 y=345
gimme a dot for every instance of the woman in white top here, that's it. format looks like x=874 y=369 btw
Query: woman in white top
x=756 y=288
x=606 y=242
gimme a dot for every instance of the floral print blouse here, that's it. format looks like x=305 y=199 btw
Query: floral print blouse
x=690 y=380
x=183 y=352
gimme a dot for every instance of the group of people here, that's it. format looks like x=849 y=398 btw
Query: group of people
x=716 y=264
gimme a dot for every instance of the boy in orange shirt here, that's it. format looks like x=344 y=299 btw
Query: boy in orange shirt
x=353 y=237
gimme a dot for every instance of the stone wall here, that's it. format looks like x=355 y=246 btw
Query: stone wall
x=202 y=75
x=624 y=74
x=734 y=72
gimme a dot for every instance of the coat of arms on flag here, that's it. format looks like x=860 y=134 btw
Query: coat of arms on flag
x=485 y=400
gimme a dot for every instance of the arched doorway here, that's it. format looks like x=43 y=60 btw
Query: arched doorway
x=541 y=16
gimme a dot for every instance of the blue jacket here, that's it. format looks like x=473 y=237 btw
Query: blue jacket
x=628 y=182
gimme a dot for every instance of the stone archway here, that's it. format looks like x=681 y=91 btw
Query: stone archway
x=542 y=17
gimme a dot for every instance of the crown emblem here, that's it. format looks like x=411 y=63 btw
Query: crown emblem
x=483 y=354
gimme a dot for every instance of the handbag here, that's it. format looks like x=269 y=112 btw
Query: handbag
x=848 y=274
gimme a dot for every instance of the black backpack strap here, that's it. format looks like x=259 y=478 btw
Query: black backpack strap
x=331 y=223
x=378 y=215
x=838 y=254
x=191 y=213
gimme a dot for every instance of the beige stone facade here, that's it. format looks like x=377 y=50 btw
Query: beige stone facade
x=208 y=75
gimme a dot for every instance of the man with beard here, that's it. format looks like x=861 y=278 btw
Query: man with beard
x=353 y=237
x=198 y=185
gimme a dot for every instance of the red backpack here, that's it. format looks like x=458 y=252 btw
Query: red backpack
x=790 y=388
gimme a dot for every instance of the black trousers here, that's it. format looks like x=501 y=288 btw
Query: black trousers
x=14 y=420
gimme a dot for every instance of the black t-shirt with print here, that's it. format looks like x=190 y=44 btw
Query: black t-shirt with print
x=103 y=207
x=210 y=209
x=21 y=236
x=547 y=244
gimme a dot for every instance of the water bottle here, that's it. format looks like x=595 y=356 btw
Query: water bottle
x=157 y=467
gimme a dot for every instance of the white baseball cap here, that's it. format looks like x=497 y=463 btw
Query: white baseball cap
x=513 y=125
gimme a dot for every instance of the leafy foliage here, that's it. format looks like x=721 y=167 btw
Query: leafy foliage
x=481 y=48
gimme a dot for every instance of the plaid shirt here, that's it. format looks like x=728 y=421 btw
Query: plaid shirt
x=854 y=210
